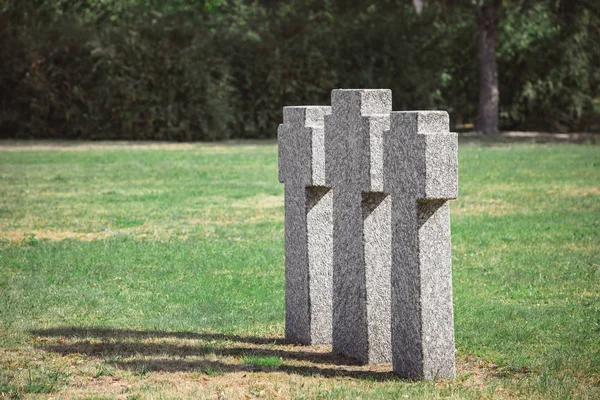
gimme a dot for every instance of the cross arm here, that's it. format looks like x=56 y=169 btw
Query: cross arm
x=301 y=145
x=421 y=155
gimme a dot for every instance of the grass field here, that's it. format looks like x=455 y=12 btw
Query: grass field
x=150 y=271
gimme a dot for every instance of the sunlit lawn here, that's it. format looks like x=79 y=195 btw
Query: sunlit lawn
x=156 y=271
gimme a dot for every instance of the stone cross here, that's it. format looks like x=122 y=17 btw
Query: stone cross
x=361 y=223
x=367 y=231
x=421 y=175
x=308 y=225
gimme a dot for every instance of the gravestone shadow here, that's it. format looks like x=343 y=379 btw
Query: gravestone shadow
x=120 y=347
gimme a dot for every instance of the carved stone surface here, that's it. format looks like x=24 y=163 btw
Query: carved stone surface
x=361 y=223
x=367 y=231
x=421 y=174
x=308 y=225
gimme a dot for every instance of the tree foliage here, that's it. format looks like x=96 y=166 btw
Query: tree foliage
x=218 y=69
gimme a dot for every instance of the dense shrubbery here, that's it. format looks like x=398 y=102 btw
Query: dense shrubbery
x=196 y=70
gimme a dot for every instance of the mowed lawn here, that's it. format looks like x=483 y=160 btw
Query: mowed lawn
x=155 y=271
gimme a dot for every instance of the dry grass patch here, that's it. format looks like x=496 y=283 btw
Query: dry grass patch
x=17 y=237
x=118 y=364
x=468 y=206
x=70 y=145
x=577 y=191
x=20 y=237
x=260 y=201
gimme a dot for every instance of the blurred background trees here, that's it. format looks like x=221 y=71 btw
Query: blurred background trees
x=220 y=69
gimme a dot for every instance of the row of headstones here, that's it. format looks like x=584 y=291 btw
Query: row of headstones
x=367 y=231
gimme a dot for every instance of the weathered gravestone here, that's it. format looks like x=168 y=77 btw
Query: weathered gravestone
x=361 y=223
x=366 y=202
x=308 y=225
x=421 y=175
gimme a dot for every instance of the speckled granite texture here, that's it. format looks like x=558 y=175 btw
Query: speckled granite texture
x=308 y=225
x=361 y=223
x=421 y=169
x=367 y=231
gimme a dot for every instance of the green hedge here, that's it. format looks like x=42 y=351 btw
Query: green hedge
x=196 y=70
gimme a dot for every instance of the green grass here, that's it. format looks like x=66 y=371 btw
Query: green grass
x=162 y=267
x=257 y=361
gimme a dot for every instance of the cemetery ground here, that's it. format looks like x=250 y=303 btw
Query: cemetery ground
x=154 y=271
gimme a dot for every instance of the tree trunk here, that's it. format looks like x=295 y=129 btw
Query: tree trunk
x=418 y=6
x=489 y=96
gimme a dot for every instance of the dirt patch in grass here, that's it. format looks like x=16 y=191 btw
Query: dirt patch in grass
x=473 y=371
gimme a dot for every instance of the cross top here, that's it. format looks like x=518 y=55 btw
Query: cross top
x=361 y=102
x=301 y=145
x=421 y=156
x=354 y=137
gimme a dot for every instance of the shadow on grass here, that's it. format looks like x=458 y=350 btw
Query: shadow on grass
x=113 y=345
x=121 y=334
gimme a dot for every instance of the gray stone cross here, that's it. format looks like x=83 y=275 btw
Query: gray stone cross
x=361 y=223
x=421 y=175
x=308 y=225
x=367 y=231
